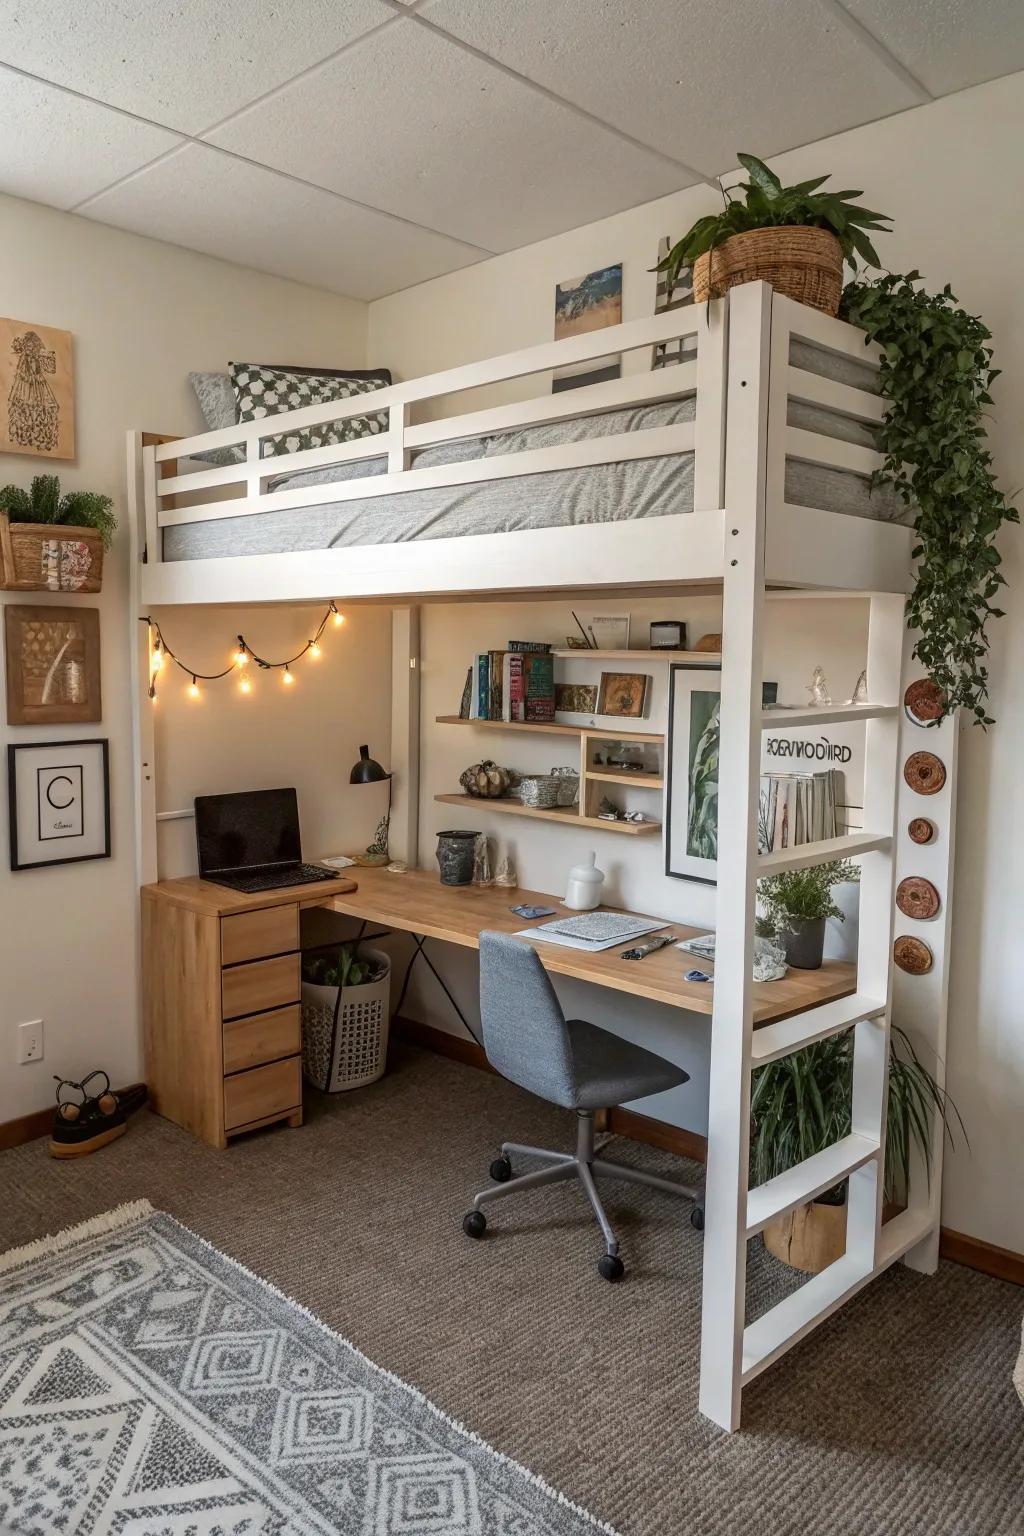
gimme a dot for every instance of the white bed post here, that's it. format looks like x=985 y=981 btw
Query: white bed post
x=143 y=735
x=725 y=1243
x=405 y=733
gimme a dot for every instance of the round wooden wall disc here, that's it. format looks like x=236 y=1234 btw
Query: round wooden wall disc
x=917 y=897
x=921 y=830
x=924 y=772
x=925 y=701
x=912 y=955
x=710 y=642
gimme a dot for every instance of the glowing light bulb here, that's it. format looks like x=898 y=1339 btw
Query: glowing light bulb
x=314 y=651
x=245 y=686
x=339 y=619
x=241 y=655
x=157 y=659
x=287 y=678
x=193 y=689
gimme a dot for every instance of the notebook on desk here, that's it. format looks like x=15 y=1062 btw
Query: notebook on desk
x=593 y=930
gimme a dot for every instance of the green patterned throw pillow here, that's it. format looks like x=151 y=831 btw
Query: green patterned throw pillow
x=262 y=392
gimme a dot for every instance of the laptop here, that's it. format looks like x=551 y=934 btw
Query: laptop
x=251 y=842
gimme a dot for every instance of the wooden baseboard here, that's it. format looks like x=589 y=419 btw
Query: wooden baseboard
x=1003 y=1263
x=14 y=1132
x=439 y=1040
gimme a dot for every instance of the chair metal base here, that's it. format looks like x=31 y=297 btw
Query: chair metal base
x=582 y=1165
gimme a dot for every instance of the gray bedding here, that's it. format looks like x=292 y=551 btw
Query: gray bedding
x=598 y=493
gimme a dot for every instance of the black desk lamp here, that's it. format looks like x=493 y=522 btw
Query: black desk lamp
x=369 y=771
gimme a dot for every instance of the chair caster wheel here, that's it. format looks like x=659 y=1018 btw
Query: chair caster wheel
x=611 y=1267
x=697 y=1218
x=501 y=1170
x=475 y=1224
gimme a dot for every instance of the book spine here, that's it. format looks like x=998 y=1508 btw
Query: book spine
x=541 y=647
x=494 y=670
x=539 y=680
x=515 y=688
x=481 y=687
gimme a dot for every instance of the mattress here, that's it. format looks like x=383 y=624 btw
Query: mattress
x=600 y=493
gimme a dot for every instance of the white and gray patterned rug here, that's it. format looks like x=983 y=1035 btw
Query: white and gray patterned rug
x=151 y=1386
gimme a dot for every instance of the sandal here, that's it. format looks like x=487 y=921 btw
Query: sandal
x=90 y=1119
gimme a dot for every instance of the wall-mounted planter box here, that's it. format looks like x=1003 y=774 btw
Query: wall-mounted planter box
x=49 y=557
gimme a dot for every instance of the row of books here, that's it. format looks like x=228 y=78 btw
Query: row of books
x=516 y=684
x=797 y=808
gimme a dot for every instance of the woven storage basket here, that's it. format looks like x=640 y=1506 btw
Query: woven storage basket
x=49 y=557
x=360 y=1046
x=540 y=791
x=803 y=263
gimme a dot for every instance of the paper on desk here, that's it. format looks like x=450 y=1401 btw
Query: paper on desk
x=589 y=946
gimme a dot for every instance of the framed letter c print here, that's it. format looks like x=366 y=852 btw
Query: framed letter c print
x=58 y=802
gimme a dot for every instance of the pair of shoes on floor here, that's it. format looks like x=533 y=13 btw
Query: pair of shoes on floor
x=89 y=1114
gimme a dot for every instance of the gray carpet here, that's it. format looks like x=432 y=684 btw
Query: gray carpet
x=897 y=1416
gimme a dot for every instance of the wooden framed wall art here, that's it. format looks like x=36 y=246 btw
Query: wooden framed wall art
x=53 y=665
x=37 y=390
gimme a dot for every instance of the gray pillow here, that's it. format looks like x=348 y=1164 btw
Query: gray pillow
x=217 y=403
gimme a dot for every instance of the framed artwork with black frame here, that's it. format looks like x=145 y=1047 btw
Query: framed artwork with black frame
x=691 y=818
x=58 y=798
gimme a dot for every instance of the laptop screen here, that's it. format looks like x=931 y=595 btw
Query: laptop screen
x=247 y=831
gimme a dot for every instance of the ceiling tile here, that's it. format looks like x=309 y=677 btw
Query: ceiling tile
x=698 y=79
x=184 y=64
x=97 y=145
x=210 y=202
x=948 y=44
x=422 y=128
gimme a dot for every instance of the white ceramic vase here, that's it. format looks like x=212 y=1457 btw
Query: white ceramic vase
x=583 y=888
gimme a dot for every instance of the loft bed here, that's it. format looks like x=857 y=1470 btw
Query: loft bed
x=741 y=468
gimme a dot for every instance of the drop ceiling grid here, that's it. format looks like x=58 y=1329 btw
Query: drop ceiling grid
x=365 y=145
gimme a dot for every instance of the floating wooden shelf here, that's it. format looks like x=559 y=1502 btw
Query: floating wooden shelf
x=645 y=780
x=605 y=733
x=706 y=658
x=563 y=814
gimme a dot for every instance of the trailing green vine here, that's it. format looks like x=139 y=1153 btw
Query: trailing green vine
x=935 y=375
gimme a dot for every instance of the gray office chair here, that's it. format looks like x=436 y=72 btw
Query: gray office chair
x=569 y=1062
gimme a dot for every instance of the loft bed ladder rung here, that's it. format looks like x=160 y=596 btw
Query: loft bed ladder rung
x=805 y=1181
x=813 y=1024
x=806 y=855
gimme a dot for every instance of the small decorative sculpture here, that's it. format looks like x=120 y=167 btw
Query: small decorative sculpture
x=860 y=692
x=607 y=810
x=486 y=780
x=506 y=873
x=482 y=861
x=818 y=688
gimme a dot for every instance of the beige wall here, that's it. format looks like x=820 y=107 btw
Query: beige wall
x=143 y=314
x=950 y=174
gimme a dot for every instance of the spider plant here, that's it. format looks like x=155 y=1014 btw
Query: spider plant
x=801 y=1104
x=43 y=503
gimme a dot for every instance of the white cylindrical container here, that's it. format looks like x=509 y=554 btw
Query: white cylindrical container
x=583 y=888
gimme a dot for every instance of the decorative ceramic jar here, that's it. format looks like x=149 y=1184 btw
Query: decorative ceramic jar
x=485 y=780
x=583 y=887
x=455 y=851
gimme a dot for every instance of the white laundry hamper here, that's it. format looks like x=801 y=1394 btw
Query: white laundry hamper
x=355 y=1053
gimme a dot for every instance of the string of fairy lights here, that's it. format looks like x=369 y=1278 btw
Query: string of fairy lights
x=241 y=663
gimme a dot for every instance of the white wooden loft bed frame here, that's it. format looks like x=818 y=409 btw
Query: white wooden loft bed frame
x=742 y=539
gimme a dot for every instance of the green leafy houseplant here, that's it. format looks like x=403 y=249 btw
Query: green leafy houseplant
x=767 y=204
x=43 y=503
x=935 y=375
x=805 y=893
x=345 y=969
x=801 y=1104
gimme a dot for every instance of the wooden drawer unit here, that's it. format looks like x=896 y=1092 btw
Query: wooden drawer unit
x=260 y=984
x=262 y=1094
x=249 y=1042
x=254 y=935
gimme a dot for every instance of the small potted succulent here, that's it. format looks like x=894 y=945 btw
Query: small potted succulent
x=795 y=238
x=796 y=905
x=50 y=542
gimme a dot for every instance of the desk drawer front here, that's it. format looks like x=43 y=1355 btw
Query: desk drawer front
x=260 y=985
x=264 y=1091
x=251 y=935
x=264 y=1037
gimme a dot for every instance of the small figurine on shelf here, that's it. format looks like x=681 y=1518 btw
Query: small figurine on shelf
x=607 y=810
x=818 y=688
x=860 y=692
x=482 y=861
x=506 y=872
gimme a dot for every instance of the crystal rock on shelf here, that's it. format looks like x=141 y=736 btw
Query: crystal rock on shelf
x=482 y=861
x=506 y=873
x=860 y=693
x=818 y=688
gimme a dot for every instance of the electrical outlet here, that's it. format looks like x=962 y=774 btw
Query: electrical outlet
x=30 y=1041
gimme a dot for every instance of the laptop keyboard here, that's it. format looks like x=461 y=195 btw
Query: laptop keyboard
x=273 y=880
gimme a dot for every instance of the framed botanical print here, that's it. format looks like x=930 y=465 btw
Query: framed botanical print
x=58 y=802
x=691 y=822
x=53 y=665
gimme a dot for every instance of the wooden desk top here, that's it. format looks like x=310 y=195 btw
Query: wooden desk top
x=418 y=903
x=221 y=901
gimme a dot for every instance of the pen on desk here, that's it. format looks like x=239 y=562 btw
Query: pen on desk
x=649 y=948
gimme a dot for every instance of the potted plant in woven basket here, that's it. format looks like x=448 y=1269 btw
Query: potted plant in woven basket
x=795 y=238
x=50 y=542
x=801 y=1104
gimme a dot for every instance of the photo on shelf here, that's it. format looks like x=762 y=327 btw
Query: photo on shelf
x=624 y=695
x=575 y=698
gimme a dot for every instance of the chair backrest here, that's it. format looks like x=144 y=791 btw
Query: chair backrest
x=524 y=1027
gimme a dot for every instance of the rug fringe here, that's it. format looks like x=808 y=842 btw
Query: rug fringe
x=96 y=1226
x=531 y=1477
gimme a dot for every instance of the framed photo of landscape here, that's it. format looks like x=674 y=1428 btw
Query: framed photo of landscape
x=691 y=820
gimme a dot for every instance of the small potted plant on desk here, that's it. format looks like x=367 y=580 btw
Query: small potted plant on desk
x=797 y=904
x=801 y=1104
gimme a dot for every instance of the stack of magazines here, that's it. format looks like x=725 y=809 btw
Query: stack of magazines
x=796 y=808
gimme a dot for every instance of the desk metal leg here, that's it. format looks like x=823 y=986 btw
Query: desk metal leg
x=419 y=940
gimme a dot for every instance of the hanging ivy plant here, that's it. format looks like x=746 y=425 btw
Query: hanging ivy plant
x=935 y=374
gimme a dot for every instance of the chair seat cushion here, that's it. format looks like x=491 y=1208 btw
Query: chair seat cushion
x=609 y=1070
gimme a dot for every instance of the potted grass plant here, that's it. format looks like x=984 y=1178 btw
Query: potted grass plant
x=801 y=1104
x=795 y=238
x=50 y=542
x=796 y=905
